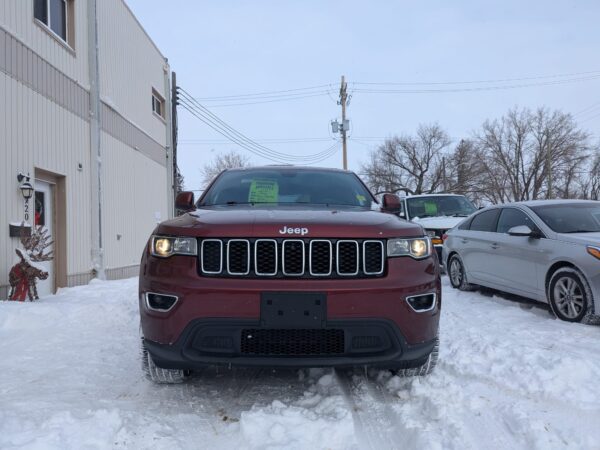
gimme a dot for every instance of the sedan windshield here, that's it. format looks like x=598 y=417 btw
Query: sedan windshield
x=571 y=217
x=287 y=186
x=440 y=205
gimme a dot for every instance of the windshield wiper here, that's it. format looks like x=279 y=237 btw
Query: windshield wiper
x=460 y=215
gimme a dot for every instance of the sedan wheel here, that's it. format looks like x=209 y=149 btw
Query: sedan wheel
x=456 y=273
x=569 y=295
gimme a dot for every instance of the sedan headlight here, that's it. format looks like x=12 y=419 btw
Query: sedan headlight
x=165 y=246
x=417 y=248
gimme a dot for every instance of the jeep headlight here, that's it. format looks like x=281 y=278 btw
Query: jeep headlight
x=165 y=246
x=417 y=248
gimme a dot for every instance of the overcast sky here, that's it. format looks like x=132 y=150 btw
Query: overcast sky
x=234 y=47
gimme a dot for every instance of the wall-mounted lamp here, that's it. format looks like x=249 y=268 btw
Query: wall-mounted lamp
x=27 y=190
x=26 y=187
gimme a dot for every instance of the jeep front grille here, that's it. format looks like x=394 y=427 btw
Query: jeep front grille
x=292 y=258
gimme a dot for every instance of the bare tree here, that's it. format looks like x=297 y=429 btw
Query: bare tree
x=529 y=155
x=409 y=164
x=229 y=160
x=589 y=179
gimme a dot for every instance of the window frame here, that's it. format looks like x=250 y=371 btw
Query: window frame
x=69 y=18
x=495 y=225
x=158 y=98
x=535 y=226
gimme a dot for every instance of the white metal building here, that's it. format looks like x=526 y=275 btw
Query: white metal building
x=84 y=110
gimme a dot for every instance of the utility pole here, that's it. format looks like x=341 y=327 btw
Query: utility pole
x=343 y=101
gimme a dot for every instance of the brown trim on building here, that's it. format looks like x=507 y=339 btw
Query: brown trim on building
x=60 y=223
x=117 y=126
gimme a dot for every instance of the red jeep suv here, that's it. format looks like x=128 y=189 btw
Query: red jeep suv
x=284 y=266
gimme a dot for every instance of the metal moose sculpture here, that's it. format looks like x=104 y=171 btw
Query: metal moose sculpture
x=24 y=275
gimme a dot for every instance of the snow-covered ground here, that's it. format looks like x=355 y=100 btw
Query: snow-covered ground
x=510 y=376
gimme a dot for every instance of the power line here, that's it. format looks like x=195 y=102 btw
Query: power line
x=264 y=141
x=263 y=94
x=322 y=155
x=505 y=80
x=213 y=121
x=230 y=131
x=276 y=100
x=475 y=89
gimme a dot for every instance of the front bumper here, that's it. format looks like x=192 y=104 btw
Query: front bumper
x=376 y=343
x=230 y=306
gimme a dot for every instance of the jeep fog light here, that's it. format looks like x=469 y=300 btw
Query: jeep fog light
x=421 y=303
x=160 y=302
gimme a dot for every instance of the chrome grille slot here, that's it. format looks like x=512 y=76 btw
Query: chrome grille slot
x=373 y=257
x=211 y=256
x=238 y=257
x=347 y=258
x=320 y=258
x=293 y=258
x=265 y=257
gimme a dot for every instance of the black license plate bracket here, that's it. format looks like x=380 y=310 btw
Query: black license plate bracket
x=293 y=309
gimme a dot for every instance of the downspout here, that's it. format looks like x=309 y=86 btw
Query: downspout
x=169 y=141
x=95 y=148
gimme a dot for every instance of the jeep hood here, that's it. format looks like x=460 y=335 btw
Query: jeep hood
x=263 y=222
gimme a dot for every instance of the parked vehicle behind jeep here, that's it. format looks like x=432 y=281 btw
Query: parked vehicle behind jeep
x=437 y=213
x=284 y=266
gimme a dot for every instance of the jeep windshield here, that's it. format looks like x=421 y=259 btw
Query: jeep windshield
x=280 y=186
x=439 y=205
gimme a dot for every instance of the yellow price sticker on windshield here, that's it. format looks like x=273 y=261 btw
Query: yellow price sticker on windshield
x=263 y=191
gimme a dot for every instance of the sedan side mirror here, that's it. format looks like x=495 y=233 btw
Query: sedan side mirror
x=185 y=201
x=390 y=204
x=523 y=230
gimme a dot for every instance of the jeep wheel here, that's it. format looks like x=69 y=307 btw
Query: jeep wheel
x=424 y=369
x=158 y=374
x=456 y=273
x=570 y=296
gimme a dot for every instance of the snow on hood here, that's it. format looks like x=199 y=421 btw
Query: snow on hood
x=439 y=222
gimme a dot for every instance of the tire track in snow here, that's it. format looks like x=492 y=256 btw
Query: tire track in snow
x=375 y=420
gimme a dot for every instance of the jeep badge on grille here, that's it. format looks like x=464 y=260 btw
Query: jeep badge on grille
x=300 y=231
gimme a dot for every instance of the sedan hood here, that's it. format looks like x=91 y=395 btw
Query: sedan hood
x=439 y=223
x=580 y=238
x=251 y=222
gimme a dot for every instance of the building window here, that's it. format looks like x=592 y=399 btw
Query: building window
x=158 y=104
x=57 y=15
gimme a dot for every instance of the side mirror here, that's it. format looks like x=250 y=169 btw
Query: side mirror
x=185 y=201
x=391 y=204
x=522 y=230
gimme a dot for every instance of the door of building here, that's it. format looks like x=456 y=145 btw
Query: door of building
x=44 y=216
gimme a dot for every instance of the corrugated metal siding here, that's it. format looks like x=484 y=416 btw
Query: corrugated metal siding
x=16 y=16
x=133 y=192
x=130 y=66
x=36 y=132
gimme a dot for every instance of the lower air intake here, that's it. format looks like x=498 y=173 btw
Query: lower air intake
x=292 y=342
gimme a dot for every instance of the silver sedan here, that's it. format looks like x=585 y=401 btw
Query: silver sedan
x=546 y=250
